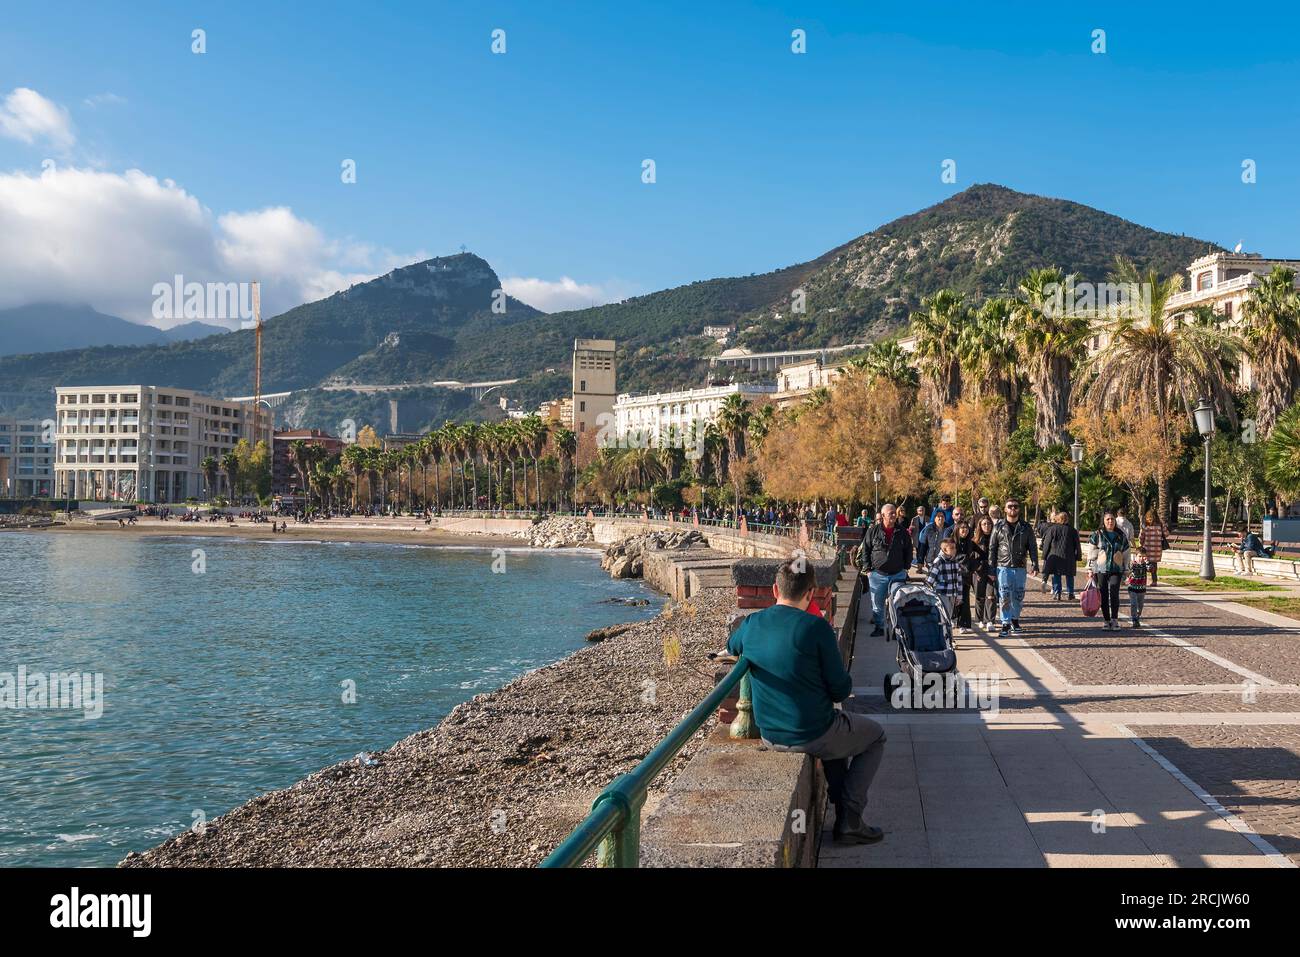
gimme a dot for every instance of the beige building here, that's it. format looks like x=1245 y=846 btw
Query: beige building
x=132 y=443
x=594 y=384
x=796 y=381
x=26 y=459
x=559 y=411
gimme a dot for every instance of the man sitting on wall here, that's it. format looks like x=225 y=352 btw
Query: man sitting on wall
x=797 y=676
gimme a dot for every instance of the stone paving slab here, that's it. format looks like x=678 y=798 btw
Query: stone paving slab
x=1056 y=778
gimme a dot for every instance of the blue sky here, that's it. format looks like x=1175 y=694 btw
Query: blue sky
x=533 y=158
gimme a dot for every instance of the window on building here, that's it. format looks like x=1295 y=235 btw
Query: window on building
x=582 y=385
x=1205 y=280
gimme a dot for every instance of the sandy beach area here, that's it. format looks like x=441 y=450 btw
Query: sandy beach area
x=404 y=531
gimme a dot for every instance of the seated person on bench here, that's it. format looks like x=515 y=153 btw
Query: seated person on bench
x=797 y=676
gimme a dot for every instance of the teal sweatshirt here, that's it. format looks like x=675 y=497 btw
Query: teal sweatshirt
x=797 y=673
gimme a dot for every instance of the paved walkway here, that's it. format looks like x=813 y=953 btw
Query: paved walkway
x=1173 y=745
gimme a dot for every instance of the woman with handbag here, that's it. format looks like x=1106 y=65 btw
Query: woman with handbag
x=1108 y=557
x=1154 y=542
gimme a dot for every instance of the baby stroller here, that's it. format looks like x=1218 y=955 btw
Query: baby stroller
x=918 y=620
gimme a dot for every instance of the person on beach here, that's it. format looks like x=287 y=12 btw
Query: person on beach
x=797 y=676
x=1062 y=553
x=982 y=574
x=1137 y=585
x=1011 y=546
x=886 y=556
x=1108 y=558
x=1154 y=541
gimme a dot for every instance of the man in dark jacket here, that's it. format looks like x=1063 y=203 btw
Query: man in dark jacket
x=886 y=555
x=1011 y=543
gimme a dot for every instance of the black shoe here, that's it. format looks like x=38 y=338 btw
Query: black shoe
x=1136 y=623
x=1006 y=628
x=877 y=632
x=1015 y=625
x=862 y=834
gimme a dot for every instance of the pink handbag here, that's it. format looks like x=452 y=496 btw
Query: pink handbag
x=1090 y=599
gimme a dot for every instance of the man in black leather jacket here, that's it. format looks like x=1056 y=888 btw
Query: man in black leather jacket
x=1011 y=543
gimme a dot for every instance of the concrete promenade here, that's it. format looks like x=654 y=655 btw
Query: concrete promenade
x=1172 y=745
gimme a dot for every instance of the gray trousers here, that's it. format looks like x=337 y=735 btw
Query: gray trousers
x=860 y=740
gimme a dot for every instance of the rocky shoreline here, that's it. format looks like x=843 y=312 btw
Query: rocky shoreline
x=501 y=780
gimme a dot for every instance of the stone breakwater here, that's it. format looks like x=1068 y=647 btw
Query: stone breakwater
x=501 y=780
x=626 y=559
x=559 y=532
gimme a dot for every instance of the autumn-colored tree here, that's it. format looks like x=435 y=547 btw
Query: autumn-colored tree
x=831 y=451
x=1138 y=446
x=968 y=445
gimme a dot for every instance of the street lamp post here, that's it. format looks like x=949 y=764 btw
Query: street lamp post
x=876 y=476
x=1204 y=414
x=1076 y=456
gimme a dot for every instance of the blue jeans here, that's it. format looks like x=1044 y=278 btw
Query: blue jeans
x=879 y=583
x=1056 y=584
x=1011 y=592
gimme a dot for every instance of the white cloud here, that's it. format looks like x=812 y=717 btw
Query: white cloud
x=104 y=99
x=81 y=235
x=557 y=295
x=27 y=116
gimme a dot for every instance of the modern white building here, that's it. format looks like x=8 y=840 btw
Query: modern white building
x=141 y=443
x=672 y=414
x=26 y=459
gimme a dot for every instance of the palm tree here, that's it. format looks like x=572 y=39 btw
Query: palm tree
x=990 y=362
x=1282 y=453
x=566 y=444
x=885 y=360
x=354 y=460
x=937 y=327
x=761 y=422
x=435 y=449
x=1052 y=338
x=209 y=467
x=230 y=465
x=471 y=435
x=1161 y=363
x=1270 y=330
x=733 y=421
x=635 y=467
x=536 y=433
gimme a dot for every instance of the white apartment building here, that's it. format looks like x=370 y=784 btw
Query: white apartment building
x=141 y=443
x=26 y=461
x=1224 y=281
x=669 y=414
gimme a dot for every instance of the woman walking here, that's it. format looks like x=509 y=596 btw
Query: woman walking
x=1061 y=554
x=1108 y=557
x=982 y=574
x=962 y=536
x=1154 y=542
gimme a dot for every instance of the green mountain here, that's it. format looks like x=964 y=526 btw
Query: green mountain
x=434 y=320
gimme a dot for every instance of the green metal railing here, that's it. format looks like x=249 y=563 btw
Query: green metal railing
x=613 y=828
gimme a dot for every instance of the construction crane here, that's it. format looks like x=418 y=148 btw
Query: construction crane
x=257 y=363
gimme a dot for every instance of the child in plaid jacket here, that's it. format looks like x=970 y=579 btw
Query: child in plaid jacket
x=946 y=574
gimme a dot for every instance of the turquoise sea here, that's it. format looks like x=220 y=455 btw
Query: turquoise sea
x=224 y=678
